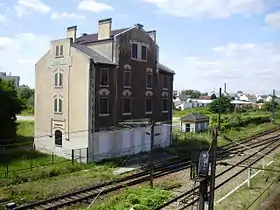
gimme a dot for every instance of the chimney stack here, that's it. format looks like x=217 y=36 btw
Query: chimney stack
x=104 y=28
x=153 y=35
x=225 y=88
x=72 y=33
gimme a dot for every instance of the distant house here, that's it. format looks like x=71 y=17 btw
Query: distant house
x=243 y=98
x=191 y=103
x=194 y=123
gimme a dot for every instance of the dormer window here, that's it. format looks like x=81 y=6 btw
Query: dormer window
x=134 y=51
x=59 y=51
x=144 y=52
x=139 y=51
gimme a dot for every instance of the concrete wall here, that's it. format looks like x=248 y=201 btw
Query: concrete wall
x=112 y=144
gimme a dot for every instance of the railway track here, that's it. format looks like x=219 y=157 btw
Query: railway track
x=186 y=199
x=161 y=169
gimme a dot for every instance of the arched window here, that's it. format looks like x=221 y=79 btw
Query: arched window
x=58 y=79
x=57 y=103
x=58 y=138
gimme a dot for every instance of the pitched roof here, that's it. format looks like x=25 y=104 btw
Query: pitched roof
x=194 y=117
x=165 y=68
x=96 y=56
x=94 y=37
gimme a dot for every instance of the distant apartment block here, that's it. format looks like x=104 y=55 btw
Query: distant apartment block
x=4 y=76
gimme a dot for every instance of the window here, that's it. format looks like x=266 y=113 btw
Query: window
x=58 y=78
x=126 y=106
x=58 y=138
x=103 y=106
x=57 y=105
x=104 y=77
x=149 y=105
x=61 y=50
x=58 y=50
x=134 y=51
x=139 y=51
x=127 y=79
x=165 y=82
x=164 y=105
x=144 y=52
x=149 y=80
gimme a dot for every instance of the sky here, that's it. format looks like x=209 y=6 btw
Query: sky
x=206 y=42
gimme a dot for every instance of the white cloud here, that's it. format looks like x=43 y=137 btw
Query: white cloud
x=25 y=7
x=19 y=54
x=211 y=8
x=2 y=18
x=273 y=20
x=94 y=6
x=246 y=66
x=65 y=15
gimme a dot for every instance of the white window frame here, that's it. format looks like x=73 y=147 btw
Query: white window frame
x=57 y=99
x=139 y=51
x=58 y=73
x=58 y=52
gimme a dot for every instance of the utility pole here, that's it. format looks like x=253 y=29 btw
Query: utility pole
x=151 y=154
x=213 y=170
x=273 y=106
x=202 y=193
x=219 y=120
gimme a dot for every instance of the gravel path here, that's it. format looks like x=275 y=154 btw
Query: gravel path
x=187 y=184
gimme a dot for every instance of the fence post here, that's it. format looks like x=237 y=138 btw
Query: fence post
x=263 y=164
x=249 y=178
x=52 y=158
x=31 y=164
x=73 y=156
x=87 y=155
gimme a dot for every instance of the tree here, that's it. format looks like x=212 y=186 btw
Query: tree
x=10 y=106
x=213 y=96
x=26 y=95
x=193 y=93
x=223 y=104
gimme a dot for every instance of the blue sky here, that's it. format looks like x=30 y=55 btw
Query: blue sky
x=206 y=42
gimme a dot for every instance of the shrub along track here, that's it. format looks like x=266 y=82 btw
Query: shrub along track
x=160 y=169
x=190 y=197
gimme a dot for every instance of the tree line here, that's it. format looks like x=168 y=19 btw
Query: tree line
x=12 y=102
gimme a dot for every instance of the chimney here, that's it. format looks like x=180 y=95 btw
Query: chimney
x=72 y=32
x=104 y=28
x=153 y=35
x=225 y=88
x=139 y=26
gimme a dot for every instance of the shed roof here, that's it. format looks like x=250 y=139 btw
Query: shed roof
x=195 y=117
x=96 y=56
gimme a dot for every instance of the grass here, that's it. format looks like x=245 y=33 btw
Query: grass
x=142 y=198
x=45 y=188
x=244 y=196
x=27 y=112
